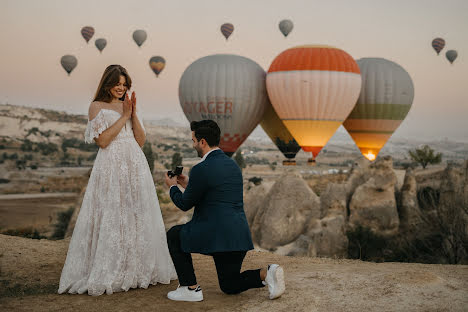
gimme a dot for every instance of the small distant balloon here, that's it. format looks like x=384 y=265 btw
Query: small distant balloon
x=139 y=36
x=451 y=55
x=438 y=44
x=157 y=64
x=100 y=44
x=227 y=29
x=87 y=32
x=286 y=26
x=68 y=62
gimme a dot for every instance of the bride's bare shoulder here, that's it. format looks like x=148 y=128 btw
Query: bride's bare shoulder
x=94 y=109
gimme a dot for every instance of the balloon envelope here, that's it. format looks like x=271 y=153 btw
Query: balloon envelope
x=451 y=55
x=386 y=96
x=87 y=32
x=100 y=44
x=139 y=36
x=278 y=133
x=286 y=26
x=227 y=29
x=228 y=89
x=313 y=89
x=157 y=64
x=438 y=44
x=68 y=62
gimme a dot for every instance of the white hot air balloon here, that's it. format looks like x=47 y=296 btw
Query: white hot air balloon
x=228 y=89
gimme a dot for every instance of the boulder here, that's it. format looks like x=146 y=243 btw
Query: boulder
x=374 y=206
x=409 y=210
x=333 y=200
x=329 y=237
x=254 y=198
x=287 y=208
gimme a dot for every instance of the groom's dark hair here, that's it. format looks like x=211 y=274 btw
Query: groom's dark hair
x=208 y=130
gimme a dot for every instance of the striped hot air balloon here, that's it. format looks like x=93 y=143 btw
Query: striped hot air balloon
x=279 y=134
x=157 y=64
x=438 y=44
x=69 y=63
x=87 y=32
x=227 y=29
x=386 y=96
x=313 y=89
x=228 y=89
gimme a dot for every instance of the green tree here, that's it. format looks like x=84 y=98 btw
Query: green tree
x=239 y=159
x=176 y=160
x=425 y=156
x=148 y=151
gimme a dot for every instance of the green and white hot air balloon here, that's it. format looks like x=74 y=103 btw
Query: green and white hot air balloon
x=386 y=97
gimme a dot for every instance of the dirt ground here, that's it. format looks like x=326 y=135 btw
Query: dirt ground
x=30 y=272
x=38 y=211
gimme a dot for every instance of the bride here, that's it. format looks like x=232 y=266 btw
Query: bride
x=119 y=240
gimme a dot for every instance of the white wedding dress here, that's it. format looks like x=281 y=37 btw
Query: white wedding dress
x=119 y=240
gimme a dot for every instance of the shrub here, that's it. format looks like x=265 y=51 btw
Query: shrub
x=63 y=219
x=364 y=244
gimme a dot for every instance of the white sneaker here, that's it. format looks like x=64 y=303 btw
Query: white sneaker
x=275 y=281
x=183 y=293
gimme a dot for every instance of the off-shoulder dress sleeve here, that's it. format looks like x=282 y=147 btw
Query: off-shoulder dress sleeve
x=97 y=122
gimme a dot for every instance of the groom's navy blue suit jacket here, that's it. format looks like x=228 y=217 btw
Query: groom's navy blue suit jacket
x=218 y=223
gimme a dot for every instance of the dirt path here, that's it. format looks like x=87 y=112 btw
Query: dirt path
x=313 y=284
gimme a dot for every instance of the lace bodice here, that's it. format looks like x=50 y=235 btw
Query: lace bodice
x=106 y=118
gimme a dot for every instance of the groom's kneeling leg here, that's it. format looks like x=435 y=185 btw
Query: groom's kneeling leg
x=182 y=260
x=231 y=280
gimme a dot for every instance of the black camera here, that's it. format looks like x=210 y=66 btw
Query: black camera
x=176 y=172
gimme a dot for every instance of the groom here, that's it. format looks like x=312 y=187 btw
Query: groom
x=218 y=227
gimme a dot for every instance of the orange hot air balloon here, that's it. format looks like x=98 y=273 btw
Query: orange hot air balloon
x=313 y=89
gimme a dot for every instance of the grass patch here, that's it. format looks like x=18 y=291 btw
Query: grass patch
x=27 y=232
x=8 y=289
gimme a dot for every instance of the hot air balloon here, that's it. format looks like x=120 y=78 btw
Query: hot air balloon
x=139 y=36
x=451 y=55
x=279 y=134
x=228 y=89
x=227 y=29
x=438 y=44
x=386 y=96
x=100 y=44
x=157 y=64
x=68 y=62
x=313 y=89
x=286 y=26
x=87 y=32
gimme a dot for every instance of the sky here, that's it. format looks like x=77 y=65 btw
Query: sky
x=35 y=35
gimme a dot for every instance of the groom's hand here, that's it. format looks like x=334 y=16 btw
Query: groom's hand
x=182 y=180
x=170 y=181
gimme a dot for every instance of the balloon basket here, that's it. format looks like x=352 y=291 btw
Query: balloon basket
x=311 y=162
x=289 y=162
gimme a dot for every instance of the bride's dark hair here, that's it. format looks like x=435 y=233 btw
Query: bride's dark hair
x=110 y=79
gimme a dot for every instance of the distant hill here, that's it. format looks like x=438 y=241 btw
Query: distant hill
x=16 y=123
